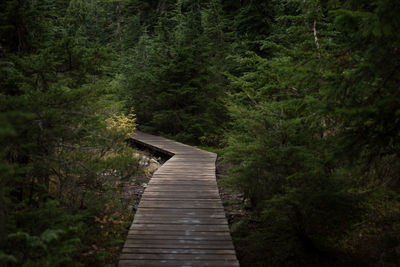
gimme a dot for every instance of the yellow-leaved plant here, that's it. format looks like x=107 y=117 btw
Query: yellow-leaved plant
x=125 y=124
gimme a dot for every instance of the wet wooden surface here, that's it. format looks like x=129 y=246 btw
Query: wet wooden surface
x=180 y=220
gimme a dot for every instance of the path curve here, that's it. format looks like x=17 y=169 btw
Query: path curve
x=180 y=220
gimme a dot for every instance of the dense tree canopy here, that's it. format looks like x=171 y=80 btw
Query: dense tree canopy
x=314 y=135
x=303 y=97
x=62 y=138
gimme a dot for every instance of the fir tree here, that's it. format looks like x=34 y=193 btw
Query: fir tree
x=60 y=147
x=173 y=87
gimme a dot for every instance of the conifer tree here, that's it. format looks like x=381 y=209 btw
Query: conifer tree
x=305 y=122
x=173 y=87
x=60 y=150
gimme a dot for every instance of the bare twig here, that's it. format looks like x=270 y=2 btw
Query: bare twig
x=316 y=38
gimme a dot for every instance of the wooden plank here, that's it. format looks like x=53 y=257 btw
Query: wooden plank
x=195 y=213
x=208 y=198
x=182 y=187
x=191 y=160
x=179 y=204
x=177 y=216
x=178 y=251
x=180 y=234
x=178 y=191
x=179 y=183
x=193 y=157
x=167 y=242
x=185 y=175
x=188 y=163
x=180 y=220
x=191 y=194
x=182 y=184
x=177 y=170
x=182 y=191
x=187 y=167
x=206 y=203
x=178 y=178
x=176 y=263
x=175 y=256
x=181 y=197
x=214 y=213
x=173 y=227
x=161 y=178
x=186 y=212
x=163 y=236
x=162 y=244
x=176 y=182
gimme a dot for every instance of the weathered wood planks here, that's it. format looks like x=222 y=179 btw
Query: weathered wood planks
x=180 y=220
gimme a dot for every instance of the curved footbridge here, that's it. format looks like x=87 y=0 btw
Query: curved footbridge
x=180 y=220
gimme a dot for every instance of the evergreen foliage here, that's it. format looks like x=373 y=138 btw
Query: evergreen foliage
x=303 y=96
x=173 y=76
x=311 y=141
x=62 y=152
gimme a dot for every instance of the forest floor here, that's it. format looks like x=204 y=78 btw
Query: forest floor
x=132 y=190
x=234 y=203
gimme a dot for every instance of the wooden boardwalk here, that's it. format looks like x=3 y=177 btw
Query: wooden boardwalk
x=180 y=220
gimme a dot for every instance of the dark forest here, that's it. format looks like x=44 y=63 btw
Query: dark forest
x=299 y=98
